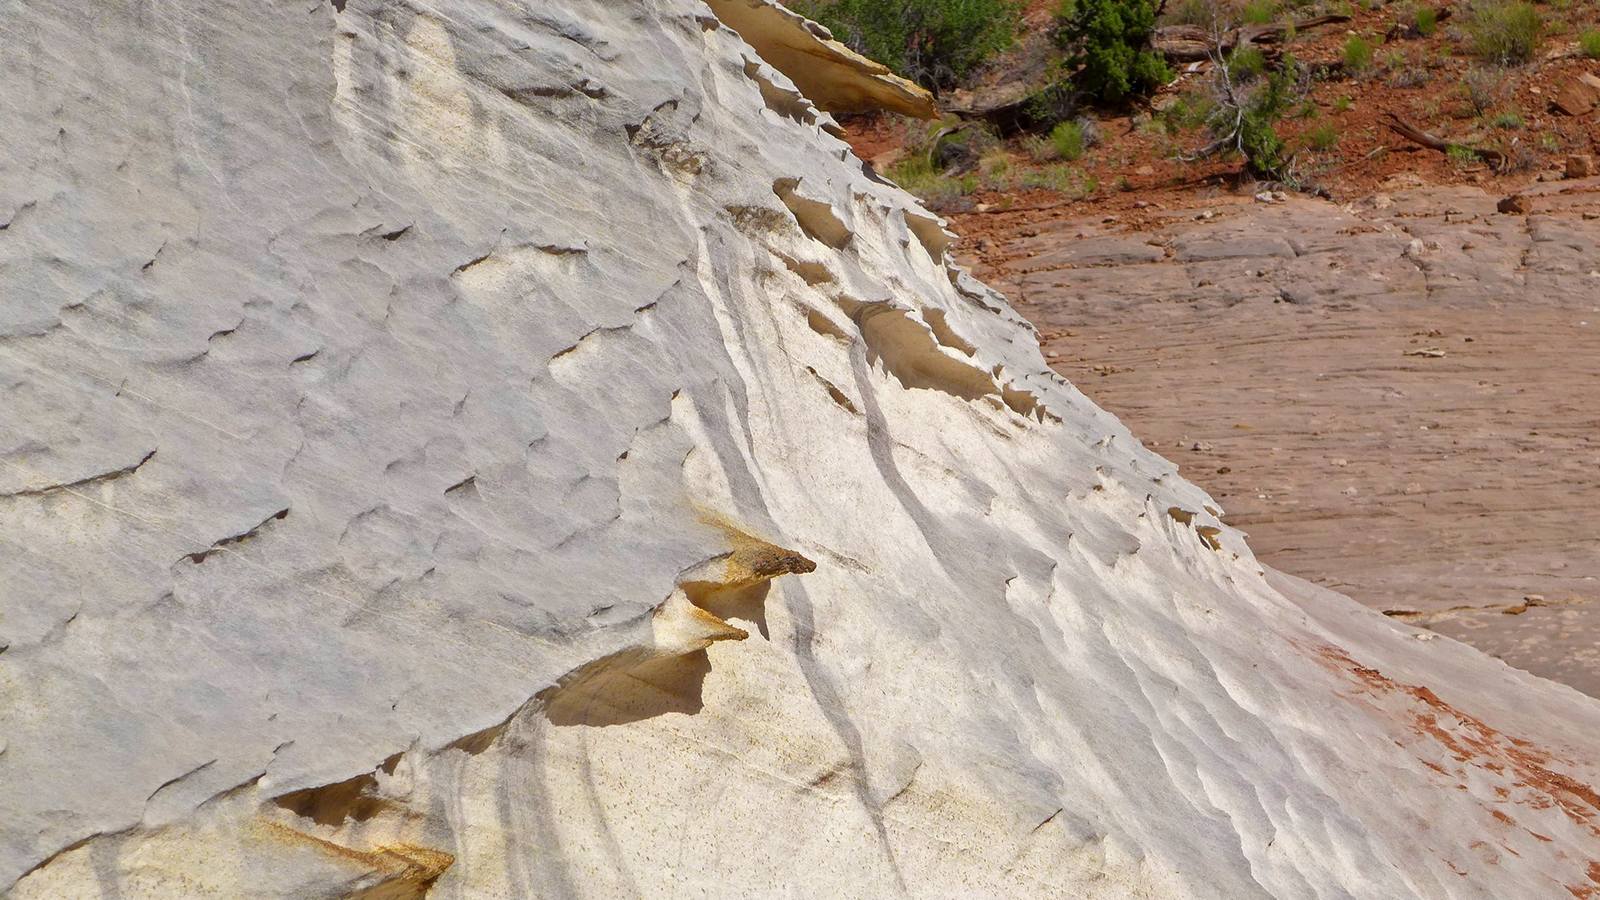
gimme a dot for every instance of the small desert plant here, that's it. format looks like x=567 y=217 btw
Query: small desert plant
x=1461 y=155
x=1109 y=42
x=1520 y=157
x=1038 y=148
x=1189 y=111
x=1426 y=20
x=995 y=166
x=916 y=174
x=1507 y=119
x=1247 y=62
x=1068 y=140
x=1259 y=12
x=1357 y=54
x=1062 y=179
x=1410 y=77
x=911 y=169
x=1343 y=103
x=1483 y=89
x=1504 y=32
x=1549 y=143
x=1323 y=137
x=1589 y=43
x=1189 y=12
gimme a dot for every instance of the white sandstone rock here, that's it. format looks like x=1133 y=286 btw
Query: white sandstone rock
x=408 y=408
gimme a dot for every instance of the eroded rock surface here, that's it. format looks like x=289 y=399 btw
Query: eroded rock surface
x=488 y=450
x=1398 y=398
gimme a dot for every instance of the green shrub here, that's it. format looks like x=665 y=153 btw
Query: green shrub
x=1189 y=111
x=1068 y=140
x=1247 y=62
x=1343 y=103
x=1357 y=54
x=1589 y=43
x=935 y=43
x=1109 y=40
x=916 y=174
x=1244 y=117
x=1461 y=155
x=1062 y=179
x=1259 y=12
x=1426 y=20
x=1323 y=137
x=1056 y=101
x=1508 y=120
x=913 y=172
x=1264 y=151
x=1504 y=32
x=995 y=167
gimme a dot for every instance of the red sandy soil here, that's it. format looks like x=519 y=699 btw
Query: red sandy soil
x=1136 y=168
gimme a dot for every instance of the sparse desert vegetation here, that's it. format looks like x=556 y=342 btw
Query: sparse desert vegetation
x=1302 y=94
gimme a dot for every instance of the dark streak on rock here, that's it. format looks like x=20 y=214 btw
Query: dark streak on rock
x=1047 y=820
x=80 y=842
x=201 y=556
x=470 y=263
x=172 y=781
x=82 y=482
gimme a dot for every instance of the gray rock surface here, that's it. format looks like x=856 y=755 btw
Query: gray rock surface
x=1404 y=411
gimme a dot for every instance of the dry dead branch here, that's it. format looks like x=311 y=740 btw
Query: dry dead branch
x=1415 y=135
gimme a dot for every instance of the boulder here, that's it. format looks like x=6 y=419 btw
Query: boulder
x=1577 y=96
x=1515 y=205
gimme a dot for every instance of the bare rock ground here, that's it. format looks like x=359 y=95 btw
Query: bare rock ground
x=1397 y=398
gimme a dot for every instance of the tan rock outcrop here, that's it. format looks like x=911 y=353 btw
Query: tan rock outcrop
x=831 y=75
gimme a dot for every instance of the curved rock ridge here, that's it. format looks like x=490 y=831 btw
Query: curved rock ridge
x=496 y=450
x=830 y=74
